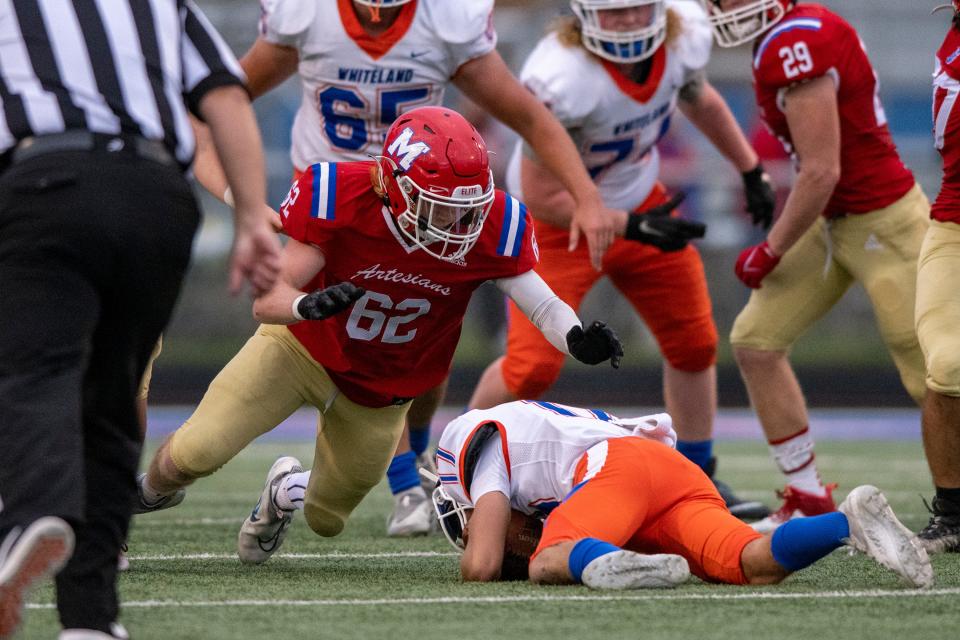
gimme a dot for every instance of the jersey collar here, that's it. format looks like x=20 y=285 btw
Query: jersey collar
x=641 y=92
x=377 y=47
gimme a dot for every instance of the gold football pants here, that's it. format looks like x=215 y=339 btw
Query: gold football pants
x=271 y=377
x=877 y=249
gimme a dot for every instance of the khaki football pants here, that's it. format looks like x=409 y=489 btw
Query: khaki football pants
x=938 y=307
x=272 y=376
x=877 y=249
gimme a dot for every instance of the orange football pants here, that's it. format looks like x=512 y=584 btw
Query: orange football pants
x=648 y=498
x=667 y=289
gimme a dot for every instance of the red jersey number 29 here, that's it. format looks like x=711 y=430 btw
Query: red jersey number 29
x=796 y=59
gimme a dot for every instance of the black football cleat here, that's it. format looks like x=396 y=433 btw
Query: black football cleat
x=942 y=533
x=743 y=509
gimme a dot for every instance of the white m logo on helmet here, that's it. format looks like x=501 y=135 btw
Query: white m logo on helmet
x=406 y=152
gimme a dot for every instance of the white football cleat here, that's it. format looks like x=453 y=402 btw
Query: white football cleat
x=166 y=502
x=28 y=557
x=629 y=570
x=875 y=530
x=262 y=533
x=412 y=514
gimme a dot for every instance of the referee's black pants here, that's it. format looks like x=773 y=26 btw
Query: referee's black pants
x=93 y=249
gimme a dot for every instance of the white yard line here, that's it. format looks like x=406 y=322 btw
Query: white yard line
x=333 y=555
x=626 y=597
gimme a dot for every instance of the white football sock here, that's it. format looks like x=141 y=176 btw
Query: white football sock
x=291 y=491
x=795 y=457
x=151 y=495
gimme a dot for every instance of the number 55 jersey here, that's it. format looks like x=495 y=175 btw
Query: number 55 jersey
x=398 y=340
x=811 y=41
x=355 y=86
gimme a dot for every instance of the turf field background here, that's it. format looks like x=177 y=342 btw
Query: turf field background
x=185 y=580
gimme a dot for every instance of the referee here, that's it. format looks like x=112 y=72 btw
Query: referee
x=96 y=225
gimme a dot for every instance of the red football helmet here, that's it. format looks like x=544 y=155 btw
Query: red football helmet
x=435 y=174
x=745 y=20
x=955 y=6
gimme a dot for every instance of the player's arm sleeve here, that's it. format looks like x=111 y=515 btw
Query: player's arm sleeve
x=793 y=52
x=465 y=27
x=308 y=212
x=567 y=93
x=546 y=310
x=286 y=22
x=490 y=473
x=206 y=61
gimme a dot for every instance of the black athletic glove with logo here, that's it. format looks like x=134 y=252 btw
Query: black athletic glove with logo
x=596 y=344
x=655 y=227
x=324 y=303
x=761 y=198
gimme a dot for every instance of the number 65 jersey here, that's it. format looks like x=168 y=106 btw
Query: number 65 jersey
x=397 y=341
x=811 y=41
x=355 y=86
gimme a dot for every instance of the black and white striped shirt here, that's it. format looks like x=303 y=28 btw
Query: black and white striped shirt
x=108 y=66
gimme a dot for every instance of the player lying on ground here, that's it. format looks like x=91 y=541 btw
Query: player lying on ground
x=382 y=260
x=626 y=510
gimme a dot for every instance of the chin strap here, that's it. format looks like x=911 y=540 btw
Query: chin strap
x=375 y=11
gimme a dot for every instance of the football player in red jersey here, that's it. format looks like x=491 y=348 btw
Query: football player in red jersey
x=855 y=214
x=360 y=64
x=938 y=305
x=382 y=260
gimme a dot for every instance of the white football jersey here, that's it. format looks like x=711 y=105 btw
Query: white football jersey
x=534 y=453
x=354 y=87
x=616 y=124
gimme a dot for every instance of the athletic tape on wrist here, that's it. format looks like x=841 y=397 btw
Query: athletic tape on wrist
x=295 y=310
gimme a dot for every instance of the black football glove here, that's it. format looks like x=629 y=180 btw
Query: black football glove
x=596 y=344
x=654 y=226
x=324 y=303
x=761 y=198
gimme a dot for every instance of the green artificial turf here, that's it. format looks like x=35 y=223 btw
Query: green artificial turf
x=364 y=585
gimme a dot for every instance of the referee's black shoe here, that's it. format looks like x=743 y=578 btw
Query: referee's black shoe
x=942 y=533
x=743 y=509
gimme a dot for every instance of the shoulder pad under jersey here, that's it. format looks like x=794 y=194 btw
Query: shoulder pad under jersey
x=565 y=79
x=459 y=21
x=796 y=50
x=284 y=21
x=696 y=38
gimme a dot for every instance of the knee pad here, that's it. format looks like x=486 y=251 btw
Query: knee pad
x=531 y=378
x=322 y=521
x=943 y=372
x=198 y=463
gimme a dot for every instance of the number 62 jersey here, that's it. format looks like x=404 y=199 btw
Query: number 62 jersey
x=810 y=42
x=355 y=86
x=397 y=341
